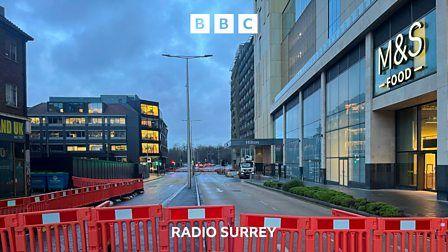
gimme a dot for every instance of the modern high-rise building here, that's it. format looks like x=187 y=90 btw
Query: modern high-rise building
x=356 y=89
x=110 y=127
x=14 y=148
x=242 y=98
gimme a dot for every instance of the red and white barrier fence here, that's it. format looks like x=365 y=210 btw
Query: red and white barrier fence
x=154 y=228
x=72 y=198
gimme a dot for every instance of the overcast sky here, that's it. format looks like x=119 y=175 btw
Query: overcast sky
x=93 y=47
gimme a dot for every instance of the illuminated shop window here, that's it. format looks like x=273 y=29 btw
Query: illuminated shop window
x=118 y=147
x=150 y=148
x=149 y=109
x=150 y=135
x=76 y=148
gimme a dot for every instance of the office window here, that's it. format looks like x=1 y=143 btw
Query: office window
x=95 y=134
x=149 y=122
x=150 y=135
x=35 y=120
x=118 y=147
x=149 y=109
x=54 y=120
x=95 y=120
x=76 y=134
x=95 y=147
x=55 y=107
x=75 y=148
x=11 y=95
x=56 y=148
x=150 y=148
x=334 y=12
x=117 y=121
x=293 y=128
x=300 y=6
x=75 y=121
x=55 y=134
x=117 y=134
x=11 y=51
x=95 y=108
x=74 y=107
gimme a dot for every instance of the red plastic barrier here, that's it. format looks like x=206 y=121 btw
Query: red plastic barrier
x=411 y=234
x=52 y=230
x=289 y=234
x=125 y=228
x=83 y=182
x=77 y=197
x=7 y=238
x=340 y=233
x=200 y=216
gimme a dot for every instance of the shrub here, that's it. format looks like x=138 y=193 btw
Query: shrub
x=382 y=209
x=343 y=200
x=290 y=184
x=273 y=184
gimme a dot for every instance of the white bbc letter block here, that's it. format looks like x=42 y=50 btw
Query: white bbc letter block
x=247 y=23
x=224 y=23
x=199 y=23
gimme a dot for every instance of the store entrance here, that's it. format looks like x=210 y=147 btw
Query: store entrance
x=417 y=147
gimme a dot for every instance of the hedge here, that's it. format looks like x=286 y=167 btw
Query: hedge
x=336 y=198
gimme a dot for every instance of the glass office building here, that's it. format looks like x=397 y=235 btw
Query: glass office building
x=363 y=87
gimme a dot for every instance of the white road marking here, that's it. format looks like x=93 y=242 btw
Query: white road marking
x=219 y=190
x=264 y=203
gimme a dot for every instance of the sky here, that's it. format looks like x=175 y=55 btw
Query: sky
x=94 y=47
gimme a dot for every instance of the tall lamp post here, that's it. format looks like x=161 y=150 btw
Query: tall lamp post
x=187 y=58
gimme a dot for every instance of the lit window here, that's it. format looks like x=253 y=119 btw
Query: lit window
x=149 y=122
x=75 y=120
x=95 y=108
x=96 y=120
x=55 y=134
x=35 y=120
x=95 y=147
x=76 y=148
x=76 y=134
x=149 y=109
x=150 y=148
x=120 y=147
x=95 y=134
x=11 y=95
x=117 y=120
x=150 y=135
x=117 y=134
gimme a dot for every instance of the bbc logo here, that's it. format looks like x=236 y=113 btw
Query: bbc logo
x=223 y=23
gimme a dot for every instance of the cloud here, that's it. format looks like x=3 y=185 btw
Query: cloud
x=88 y=48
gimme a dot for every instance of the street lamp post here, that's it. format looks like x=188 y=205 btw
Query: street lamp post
x=187 y=86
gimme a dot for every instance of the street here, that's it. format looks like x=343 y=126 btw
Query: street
x=217 y=189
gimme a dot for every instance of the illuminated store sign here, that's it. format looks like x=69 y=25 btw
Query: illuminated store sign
x=398 y=52
x=11 y=128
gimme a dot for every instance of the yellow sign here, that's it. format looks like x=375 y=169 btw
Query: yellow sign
x=9 y=127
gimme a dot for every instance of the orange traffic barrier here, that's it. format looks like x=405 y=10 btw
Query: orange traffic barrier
x=83 y=182
x=186 y=218
x=342 y=213
x=7 y=238
x=59 y=230
x=289 y=233
x=78 y=197
x=125 y=228
x=411 y=234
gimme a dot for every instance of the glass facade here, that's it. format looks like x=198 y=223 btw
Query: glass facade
x=345 y=117
x=312 y=133
x=292 y=155
x=278 y=134
x=334 y=11
x=420 y=66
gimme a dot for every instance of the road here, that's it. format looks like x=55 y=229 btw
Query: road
x=159 y=191
x=217 y=189
x=220 y=190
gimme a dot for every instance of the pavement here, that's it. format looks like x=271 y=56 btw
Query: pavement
x=412 y=202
